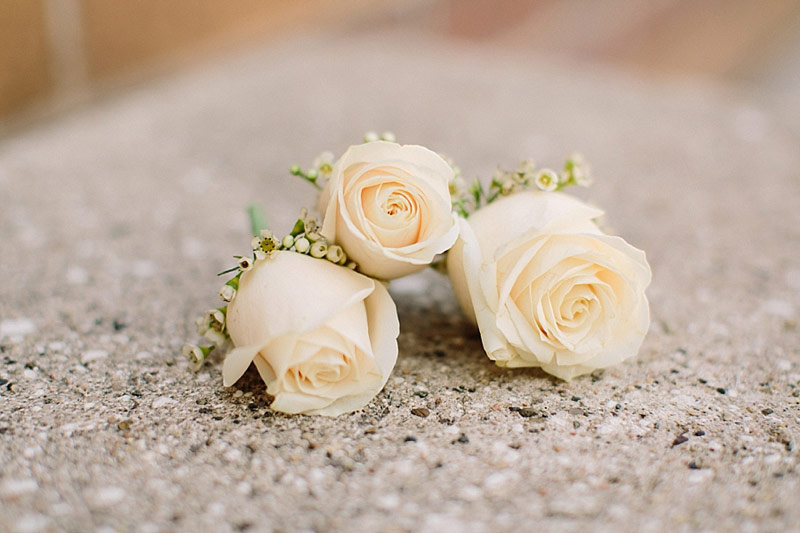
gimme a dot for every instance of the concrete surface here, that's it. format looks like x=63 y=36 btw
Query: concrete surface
x=116 y=218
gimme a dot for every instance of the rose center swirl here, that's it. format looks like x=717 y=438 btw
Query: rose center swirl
x=393 y=213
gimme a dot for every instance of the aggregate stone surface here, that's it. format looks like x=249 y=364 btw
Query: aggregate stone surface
x=115 y=220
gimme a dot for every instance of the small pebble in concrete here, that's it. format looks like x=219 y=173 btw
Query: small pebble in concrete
x=680 y=440
x=410 y=438
x=527 y=412
x=16 y=327
x=463 y=439
x=106 y=496
x=12 y=488
x=420 y=411
x=162 y=401
x=93 y=355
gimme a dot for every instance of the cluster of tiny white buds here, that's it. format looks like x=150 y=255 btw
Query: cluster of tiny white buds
x=211 y=326
x=467 y=200
x=387 y=136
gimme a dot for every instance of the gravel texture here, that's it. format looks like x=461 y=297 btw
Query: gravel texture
x=116 y=218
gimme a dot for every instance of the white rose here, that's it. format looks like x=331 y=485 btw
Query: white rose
x=323 y=338
x=389 y=207
x=547 y=288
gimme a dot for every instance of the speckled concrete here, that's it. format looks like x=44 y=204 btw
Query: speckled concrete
x=115 y=219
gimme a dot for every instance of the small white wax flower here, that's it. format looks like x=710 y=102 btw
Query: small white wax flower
x=582 y=175
x=322 y=337
x=526 y=167
x=546 y=180
x=547 y=288
x=215 y=337
x=227 y=293
x=389 y=207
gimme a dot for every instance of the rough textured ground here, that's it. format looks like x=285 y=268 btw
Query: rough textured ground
x=115 y=219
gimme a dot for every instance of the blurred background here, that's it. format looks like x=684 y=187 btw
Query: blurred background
x=56 y=55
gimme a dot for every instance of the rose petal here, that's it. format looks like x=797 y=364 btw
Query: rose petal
x=297 y=293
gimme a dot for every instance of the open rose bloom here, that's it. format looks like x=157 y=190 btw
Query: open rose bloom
x=323 y=338
x=389 y=207
x=547 y=288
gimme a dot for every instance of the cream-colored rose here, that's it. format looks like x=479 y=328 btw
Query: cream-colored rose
x=323 y=338
x=389 y=207
x=547 y=288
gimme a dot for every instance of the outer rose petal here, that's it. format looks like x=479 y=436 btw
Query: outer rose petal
x=296 y=292
x=417 y=166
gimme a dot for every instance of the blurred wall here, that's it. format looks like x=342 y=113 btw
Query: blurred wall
x=54 y=48
x=59 y=51
x=24 y=71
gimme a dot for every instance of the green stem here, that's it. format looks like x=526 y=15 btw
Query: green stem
x=258 y=220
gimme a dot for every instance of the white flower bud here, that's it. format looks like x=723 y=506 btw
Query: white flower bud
x=202 y=324
x=457 y=186
x=215 y=337
x=245 y=264
x=227 y=293
x=335 y=254
x=388 y=136
x=215 y=318
x=499 y=175
x=302 y=245
x=313 y=236
x=526 y=166
x=287 y=242
x=195 y=354
x=370 y=136
x=324 y=163
x=582 y=175
x=319 y=249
